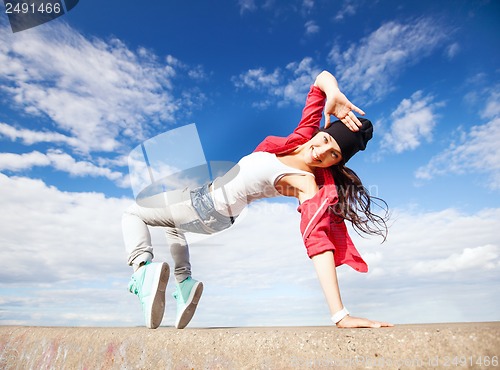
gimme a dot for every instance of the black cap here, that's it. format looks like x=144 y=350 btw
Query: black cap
x=350 y=142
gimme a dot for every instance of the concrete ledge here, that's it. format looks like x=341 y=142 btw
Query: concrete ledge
x=405 y=346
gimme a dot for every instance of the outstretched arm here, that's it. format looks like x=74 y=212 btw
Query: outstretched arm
x=327 y=275
x=336 y=102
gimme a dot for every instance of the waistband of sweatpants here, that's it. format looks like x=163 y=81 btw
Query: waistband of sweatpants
x=203 y=204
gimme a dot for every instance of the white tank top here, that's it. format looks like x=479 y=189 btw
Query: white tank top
x=254 y=177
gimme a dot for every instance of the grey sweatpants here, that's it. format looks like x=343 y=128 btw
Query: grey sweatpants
x=171 y=210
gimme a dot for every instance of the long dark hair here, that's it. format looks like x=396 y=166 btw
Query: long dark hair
x=355 y=203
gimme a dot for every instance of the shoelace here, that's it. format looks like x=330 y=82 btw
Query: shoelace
x=132 y=286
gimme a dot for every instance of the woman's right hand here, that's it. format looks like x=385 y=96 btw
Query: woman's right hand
x=359 y=322
x=337 y=103
x=339 y=106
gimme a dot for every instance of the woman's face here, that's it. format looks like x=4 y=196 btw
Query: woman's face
x=322 y=151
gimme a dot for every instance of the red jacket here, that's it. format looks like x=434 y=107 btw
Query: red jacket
x=321 y=229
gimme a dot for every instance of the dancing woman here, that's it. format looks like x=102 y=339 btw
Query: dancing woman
x=309 y=165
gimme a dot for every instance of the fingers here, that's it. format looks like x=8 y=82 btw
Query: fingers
x=327 y=120
x=359 y=322
x=387 y=324
x=351 y=121
x=379 y=324
x=360 y=111
x=344 y=110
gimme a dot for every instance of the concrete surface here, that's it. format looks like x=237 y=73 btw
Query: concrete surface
x=453 y=346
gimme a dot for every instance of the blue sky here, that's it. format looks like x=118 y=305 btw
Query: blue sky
x=79 y=93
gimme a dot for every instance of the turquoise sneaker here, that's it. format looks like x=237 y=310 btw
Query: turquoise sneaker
x=149 y=283
x=188 y=294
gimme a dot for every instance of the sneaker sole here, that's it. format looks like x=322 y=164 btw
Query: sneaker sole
x=158 y=307
x=191 y=305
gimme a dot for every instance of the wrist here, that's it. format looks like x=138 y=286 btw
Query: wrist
x=340 y=315
x=327 y=83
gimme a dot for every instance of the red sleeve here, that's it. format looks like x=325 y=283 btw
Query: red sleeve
x=315 y=221
x=317 y=241
x=312 y=113
x=322 y=231
x=307 y=128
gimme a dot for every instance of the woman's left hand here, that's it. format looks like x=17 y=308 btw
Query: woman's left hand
x=359 y=322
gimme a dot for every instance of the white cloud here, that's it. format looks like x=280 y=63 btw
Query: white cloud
x=440 y=262
x=370 y=67
x=453 y=50
x=19 y=162
x=58 y=235
x=247 y=6
x=311 y=28
x=412 y=122
x=349 y=8
x=485 y=257
x=95 y=95
x=492 y=107
x=60 y=161
x=89 y=87
x=257 y=79
x=427 y=237
x=29 y=137
x=197 y=73
x=66 y=163
x=308 y=4
x=303 y=75
x=73 y=241
x=283 y=85
x=476 y=151
x=276 y=8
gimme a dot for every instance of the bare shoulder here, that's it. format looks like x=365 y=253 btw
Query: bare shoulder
x=302 y=187
x=308 y=188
